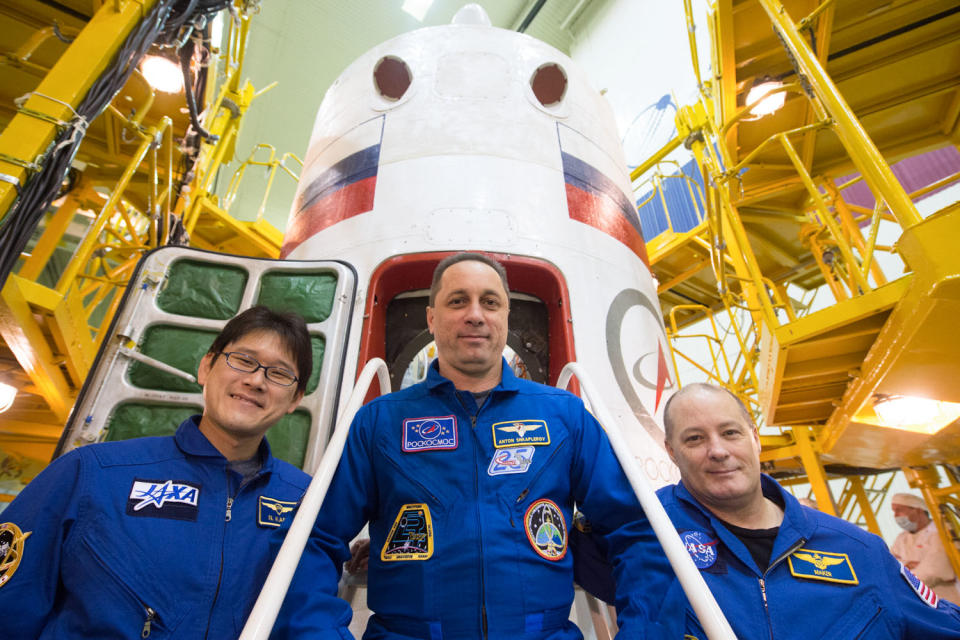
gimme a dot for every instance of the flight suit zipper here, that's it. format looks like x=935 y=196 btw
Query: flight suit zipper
x=151 y=614
x=553 y=454
x=228 y=516
x=476 y=491
x=763 y=583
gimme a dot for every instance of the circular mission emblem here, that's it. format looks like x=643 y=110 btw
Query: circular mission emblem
x=701 y=548
x=11 y=550
x=546 y=529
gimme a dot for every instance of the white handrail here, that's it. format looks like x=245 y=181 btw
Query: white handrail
x=274 y=590
x=708 y=611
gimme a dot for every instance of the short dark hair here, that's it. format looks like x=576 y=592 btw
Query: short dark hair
x=465 y=256
x=289 y=327
x=701 y=386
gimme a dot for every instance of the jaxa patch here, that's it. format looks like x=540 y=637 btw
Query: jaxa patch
x=701 y=547
x=429 y=434
x=919 y=587
x=173 y=499
x=272 y=512
x=512 y=460
x=411 y=536
x=517 y=432
x=822 y=565
x=546 y=529
x=11 y=550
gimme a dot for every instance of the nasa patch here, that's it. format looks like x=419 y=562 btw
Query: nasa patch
x=174 y=499
x=516 y=432
x=11 y=550
x=512 y=460
x=411 y=536
x=429 y=434
x=701 y=547
x=272 y=512
x=546 y=529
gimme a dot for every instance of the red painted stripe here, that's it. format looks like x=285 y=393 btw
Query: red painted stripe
x=600 y=212
x=350 y=201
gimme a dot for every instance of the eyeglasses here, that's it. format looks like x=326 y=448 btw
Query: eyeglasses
x=247 y=364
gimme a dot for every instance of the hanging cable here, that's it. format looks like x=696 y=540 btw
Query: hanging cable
x=167 y=22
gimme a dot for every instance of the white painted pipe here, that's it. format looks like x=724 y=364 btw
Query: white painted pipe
x=706 y=607
x=265 y=611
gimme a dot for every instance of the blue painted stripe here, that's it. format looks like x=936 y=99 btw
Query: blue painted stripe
x=590 y=179
x=355 y=167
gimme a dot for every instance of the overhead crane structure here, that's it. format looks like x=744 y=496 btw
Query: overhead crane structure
x=867 y=83
x=142 y=177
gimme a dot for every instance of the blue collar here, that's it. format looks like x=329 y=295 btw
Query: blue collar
x=508 y=381
x=192 y=442
x=796 y=524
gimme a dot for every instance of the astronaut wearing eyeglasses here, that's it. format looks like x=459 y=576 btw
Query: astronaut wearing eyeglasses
x=165 y=537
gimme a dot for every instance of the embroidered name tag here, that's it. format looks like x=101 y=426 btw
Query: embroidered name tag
x=11 y=550
x=429 y=434
x=512 y=460
x=546 y=529
x=411 y=536
x=923 y=592
x=517 y=432
x=822 y=565
x=272 y=512
x=173 y=499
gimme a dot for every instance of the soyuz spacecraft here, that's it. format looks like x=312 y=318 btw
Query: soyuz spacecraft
x=469 y=137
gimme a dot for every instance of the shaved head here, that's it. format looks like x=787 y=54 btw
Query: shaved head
x=699 y=387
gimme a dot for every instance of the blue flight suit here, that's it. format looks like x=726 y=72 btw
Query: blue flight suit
x=827 y=579
x=470 y=512
x=152 y=537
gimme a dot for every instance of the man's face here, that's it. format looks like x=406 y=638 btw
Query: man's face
x=242 y=405
x=469 y=319
x=716 y=449
x=916 y=516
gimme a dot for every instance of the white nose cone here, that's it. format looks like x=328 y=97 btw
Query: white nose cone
x=472 y=14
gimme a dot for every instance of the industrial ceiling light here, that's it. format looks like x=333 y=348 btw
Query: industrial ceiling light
x=762 y=93
x=914 y=414
x=7 y=394
x=162 y=73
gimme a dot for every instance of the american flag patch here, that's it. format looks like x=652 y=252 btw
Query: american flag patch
x=922 y=590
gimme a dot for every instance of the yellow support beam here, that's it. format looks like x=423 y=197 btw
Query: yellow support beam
x=854 y=137
x=25 y=338
x=52 y=104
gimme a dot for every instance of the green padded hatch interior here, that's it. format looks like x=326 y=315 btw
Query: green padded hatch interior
x=318 y=344
x=178 y=347
x=202 y=290
x=309 y=294
x=288 y=438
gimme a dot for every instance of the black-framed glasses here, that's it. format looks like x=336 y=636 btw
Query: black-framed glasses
x=248 y=364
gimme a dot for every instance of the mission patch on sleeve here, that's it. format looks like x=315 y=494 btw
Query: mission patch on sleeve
x=11 y=550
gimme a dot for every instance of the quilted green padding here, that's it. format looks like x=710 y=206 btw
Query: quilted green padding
x=318 y=344
x=179 y=347
x=289 y=437
x=310 y=295
x=134 y=420
x=202 y=290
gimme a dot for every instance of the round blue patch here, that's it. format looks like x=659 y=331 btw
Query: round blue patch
x=701 y=547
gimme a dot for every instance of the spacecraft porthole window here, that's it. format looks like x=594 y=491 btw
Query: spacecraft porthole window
x=392 y=78
x=549 y=84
